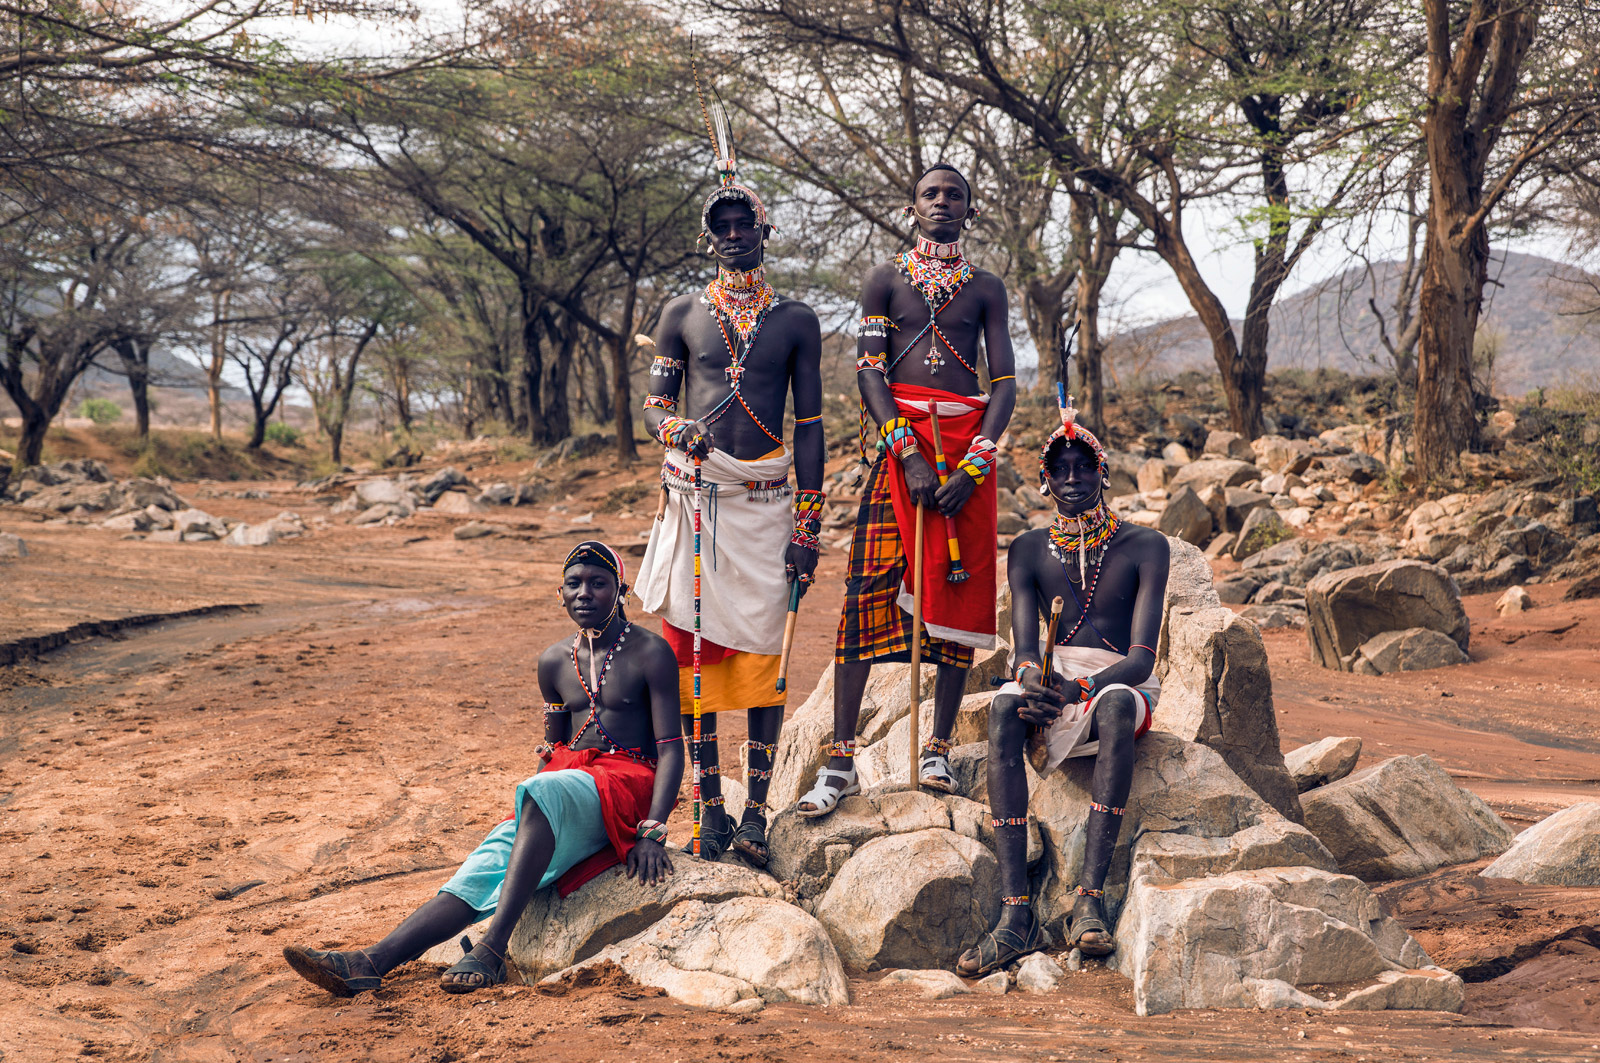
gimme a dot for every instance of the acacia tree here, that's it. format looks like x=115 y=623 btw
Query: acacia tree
x=1497 y=108
x=1185 y=73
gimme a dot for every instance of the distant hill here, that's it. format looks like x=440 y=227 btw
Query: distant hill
x=1330 y=324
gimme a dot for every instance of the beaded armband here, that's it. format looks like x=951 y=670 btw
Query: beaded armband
x=808 y=519
x=678 y=432
x=899 y=438
x=661 y=365
x=652 y=830
x=551 y=708
x=807 y=422
x=661 y=402
x=875 y=327
x=878 y=363
x=979 y=460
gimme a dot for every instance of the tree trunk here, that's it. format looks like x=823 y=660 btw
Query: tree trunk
x=1453 y=276
x=1091 y=355
x=30 y=445
x=402 y=391
x=220 y=302
x=622 y=393
x=258 y=426
x=336 y=443
x=136 y=363
x=557 y=420
x=532 y=371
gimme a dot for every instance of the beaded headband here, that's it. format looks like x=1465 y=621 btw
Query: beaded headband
x=1072 y=432
x=594 y=552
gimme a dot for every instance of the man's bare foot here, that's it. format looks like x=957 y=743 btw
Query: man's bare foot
x=1090 y=933
x=344 y=974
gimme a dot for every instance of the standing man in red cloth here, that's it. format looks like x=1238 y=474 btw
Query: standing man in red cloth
x=923 y=316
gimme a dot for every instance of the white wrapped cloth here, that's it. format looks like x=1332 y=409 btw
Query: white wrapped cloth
x=1068 y=736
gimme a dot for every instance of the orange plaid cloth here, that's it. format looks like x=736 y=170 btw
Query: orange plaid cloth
x=873 y=627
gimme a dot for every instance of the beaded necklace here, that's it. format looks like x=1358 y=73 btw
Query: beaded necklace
x=1086 y=535
x=937 y=272
x=742 y=299
x=594 y=695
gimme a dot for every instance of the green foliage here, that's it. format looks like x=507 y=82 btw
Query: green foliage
x=1569 y=416
x=514 y=450
x=100 y=411
x=284 y=435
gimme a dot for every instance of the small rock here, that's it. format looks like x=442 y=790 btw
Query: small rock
x=996 y=983
x=1075 y=960
x=1262 y=527
x=1176 y=453
x=1322 y=762
x=747 y=1006
x=1038 y=973
x=457 y=504
x=374 y=492
x=1514 y=600
x=934 y=984
x=373 y=514
x=476 y=529
x=1412 y=650
x=12 y=545
x=252 y=535
x=1220 y=444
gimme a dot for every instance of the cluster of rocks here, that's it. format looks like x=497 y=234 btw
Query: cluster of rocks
x=1518 y=534
x=387 y=500
x=85 y=492
x=1395 y=616
x=1221 y=895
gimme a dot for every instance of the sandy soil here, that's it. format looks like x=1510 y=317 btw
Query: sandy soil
x=180 y=801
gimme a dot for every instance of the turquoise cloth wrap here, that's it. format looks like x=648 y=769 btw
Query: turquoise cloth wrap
x=569 y=802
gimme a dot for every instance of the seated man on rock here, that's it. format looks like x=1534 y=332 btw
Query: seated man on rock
x=1108 y=580
x=599 y=799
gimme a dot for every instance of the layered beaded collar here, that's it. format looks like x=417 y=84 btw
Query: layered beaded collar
x=1086 y=536
x=742 y=299
x=938 y=271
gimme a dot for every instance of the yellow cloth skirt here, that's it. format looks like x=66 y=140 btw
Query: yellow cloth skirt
x=738 y=681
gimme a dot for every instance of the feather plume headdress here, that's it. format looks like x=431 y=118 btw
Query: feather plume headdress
x=720 y=130
x=1071 y=431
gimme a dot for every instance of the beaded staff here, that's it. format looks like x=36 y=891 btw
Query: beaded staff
x=1056 y=605
x=958 y=574
x=916 y=655
x=698 y=483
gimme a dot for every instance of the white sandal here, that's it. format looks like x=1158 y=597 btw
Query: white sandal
x=826 y=797
x=934 y=773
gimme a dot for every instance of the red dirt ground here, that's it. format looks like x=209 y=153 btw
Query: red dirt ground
x=179 y=802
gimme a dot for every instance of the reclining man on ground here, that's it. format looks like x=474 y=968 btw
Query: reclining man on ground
x=1098 y=697
x=600 y=798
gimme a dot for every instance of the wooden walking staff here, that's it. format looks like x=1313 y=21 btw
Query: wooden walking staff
x=916 y=653
x=788 y=635
x=1056 y=605
x=696 y=793
x=958 y=574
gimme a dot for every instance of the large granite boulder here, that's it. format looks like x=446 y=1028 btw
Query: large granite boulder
x=1262 y=528
x=556 y=932
x=1186 y=517
x=1213 y=472
x=1401 y=818
x=1188 y=814
x=1346 y=608
x=1251 y=938
x=911 y=900
x=1322 y=762
x=1560 y=850
x=716 y=955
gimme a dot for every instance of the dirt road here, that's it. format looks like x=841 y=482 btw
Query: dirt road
x=181 y=801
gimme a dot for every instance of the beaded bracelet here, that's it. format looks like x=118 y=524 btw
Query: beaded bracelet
x=1023 y=665
x=897 y=435
x=979 y=460
x=808 y=519
x=806 y=540
x=678 y=432
x=652 y=830
x=661 y=402
x=1086 y=688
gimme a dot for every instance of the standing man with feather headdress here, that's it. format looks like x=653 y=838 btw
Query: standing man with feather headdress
x=726 y=362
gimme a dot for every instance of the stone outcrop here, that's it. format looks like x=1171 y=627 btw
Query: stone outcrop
x=1250 y=938
x=1187 y=811
x=1348 y=607
x=1322 y=762
x=1401 y=818
x=12 y=545
x=718 y=955
x=1186 y=517
x=1560 y=850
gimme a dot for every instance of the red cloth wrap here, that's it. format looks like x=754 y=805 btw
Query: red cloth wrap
x=682 y=643
x=625 y=787
x=967 y=606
